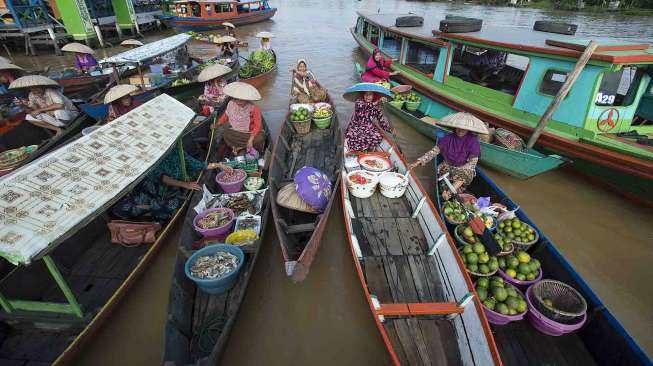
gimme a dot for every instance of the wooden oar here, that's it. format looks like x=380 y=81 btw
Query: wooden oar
x=562 y=93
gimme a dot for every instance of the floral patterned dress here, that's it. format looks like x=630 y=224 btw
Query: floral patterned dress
x=361 y=134
x=162 y=199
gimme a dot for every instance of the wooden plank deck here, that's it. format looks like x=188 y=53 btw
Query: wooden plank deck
x=419 y=341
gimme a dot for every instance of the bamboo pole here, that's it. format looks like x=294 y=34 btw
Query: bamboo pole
x=562 y=93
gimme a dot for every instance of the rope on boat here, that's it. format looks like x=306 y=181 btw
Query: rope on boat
x=209 y=332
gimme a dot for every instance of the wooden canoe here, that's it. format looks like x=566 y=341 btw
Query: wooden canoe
x=601 y=341
x=421 y=298
x=258 y=80
x=99 y=274
x=300 y=233
x=198 y=325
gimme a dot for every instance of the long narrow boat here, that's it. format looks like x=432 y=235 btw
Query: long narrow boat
x=300 y=233
x=601 y=341
x=210 y=14
x=198 y=325
x=260 y=79
x=519 y=164
x=60 y=204
x=529 y=67
x=421 y=298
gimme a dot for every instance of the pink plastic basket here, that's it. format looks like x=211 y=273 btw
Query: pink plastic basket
x=232 y=187
x=546 y=325
x=217 y=231
x=520 y=284
x=500 y=319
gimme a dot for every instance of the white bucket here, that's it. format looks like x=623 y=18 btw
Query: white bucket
x=393 y=185
x=362 y=190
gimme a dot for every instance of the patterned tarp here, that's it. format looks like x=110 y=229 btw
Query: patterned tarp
x=42 y=202
x=148 y=51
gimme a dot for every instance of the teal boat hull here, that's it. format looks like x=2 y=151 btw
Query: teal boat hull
x=522 y=165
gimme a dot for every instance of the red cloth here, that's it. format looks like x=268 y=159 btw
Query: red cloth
x=255 y=117
x=376 y=71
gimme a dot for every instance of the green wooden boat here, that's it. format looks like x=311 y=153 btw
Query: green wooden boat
x=518 y=164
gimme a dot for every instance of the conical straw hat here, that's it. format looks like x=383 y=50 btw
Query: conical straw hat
x=5 y=66
x=131 y=42
x=32 y=80
x=353 y=92
x=289 y=198
x=242 y=91
x=464 y=121
x=118 y=92
x=225 y=39
x=264 y=35
x=213 y=72
x=4 y=60
x=77 y=47
x=227 y=24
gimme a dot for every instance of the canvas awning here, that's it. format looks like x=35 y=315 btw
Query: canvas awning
x=48 y=200
x=149 y=51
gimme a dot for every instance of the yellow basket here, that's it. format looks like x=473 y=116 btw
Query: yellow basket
x=241 y=238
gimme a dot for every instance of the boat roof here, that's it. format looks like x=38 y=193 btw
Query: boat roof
x=520 y=39
x=45 y=202
x=150 y=50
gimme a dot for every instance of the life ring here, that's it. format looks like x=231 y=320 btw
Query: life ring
x=608 y=123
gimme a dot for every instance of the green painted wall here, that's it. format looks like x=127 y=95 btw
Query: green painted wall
x=76 y=19
x=125 y=13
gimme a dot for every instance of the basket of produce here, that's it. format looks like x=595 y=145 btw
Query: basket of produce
x=454 y=212
x=413 y=101
x=502 y=302
x=214 y=221
x=254 y=183
x=520 y=233
x=464 y=235
x=260 y=62
x=215 y=268
x=555 y=308
x=506 y=245
x=231 y=182
x=249 y=166
x=249 y=223
x=520 y=269
x=477 y=260
x=241 y=238
x=392 y=184
x=361 y=183
x=301 y=120
x=397 y=101
x=322 y=117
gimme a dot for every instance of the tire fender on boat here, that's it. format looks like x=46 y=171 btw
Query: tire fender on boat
x=555 y=27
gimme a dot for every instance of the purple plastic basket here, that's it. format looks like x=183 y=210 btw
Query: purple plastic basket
x=231 y=187
x=500 y=319
x=218 y=231
x=546 y=325
x=520 y=284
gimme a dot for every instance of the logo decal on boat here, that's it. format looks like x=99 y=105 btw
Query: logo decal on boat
x=608 y=120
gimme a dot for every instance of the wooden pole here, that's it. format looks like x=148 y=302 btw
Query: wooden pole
x=562 y=93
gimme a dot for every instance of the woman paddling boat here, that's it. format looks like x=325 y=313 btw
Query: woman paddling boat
x=120 y=100
x=84 y=60
x=460 y=150
x=362 y=133
x=377 y=68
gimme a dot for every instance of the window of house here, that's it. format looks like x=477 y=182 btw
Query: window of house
x=552 y=82
x=391 y=44
x=498 y=70
x=618 y=88
x=422 y=57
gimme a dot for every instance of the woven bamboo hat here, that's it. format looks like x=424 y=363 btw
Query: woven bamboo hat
x=227 y=24
x=5 y=66
x=242 y=91
x=118 y=92
x=264 y=35
x=131 y=42
x=289 y=198
x=464 y=121
x=32 y=80
x=212 y=72
x=78 y=48
x=225 y=39
x=4 y=60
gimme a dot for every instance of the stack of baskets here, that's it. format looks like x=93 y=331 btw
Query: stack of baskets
x=555 y=308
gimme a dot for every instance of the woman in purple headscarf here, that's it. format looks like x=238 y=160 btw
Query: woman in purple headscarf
x=460 y=150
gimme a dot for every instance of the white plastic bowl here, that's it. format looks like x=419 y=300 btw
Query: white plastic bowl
x=393 y=185
x=362 y=190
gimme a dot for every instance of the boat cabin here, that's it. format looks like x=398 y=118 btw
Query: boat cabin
x=217 y=9
x=517 y=74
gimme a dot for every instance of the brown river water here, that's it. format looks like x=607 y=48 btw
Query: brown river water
x=325 y=320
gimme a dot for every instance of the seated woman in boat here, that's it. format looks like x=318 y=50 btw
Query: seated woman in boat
x=265 y=40
x=84 y=60
x=362 y=132
x=8 y=73
x=244 y=117
x=227 y=46
x=460 y=151
x=377 y=68
x=304 y=83
x=214 y=84
x=160 y=194
x=230 y=29
x=120 y=100
x=47 y=106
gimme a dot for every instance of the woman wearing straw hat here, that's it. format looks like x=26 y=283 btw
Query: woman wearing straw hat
x=120 y=100
x=131 y=43
x=214 y=84
x=460 y=150
x=227 y=46
x=244 y=117
x=362 y=132
x=84 y=60
x=265 y=39
x=230 y=28
x=8 y=73
x=48 y=107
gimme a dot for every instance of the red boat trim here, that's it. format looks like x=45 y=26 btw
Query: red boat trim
x=581 y=48
x=416 y=309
